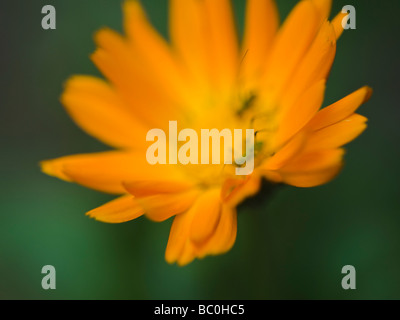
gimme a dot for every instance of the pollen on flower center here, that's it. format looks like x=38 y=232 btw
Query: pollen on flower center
x=246 y=103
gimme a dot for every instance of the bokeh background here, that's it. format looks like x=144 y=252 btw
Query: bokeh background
x=290 y=245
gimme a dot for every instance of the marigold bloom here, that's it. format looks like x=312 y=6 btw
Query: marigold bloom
x=273 y=83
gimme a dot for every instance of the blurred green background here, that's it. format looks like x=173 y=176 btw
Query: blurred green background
x=292 y=245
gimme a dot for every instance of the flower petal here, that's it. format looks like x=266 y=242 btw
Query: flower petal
x=188 y=254
x=261 y=26
x=337 y=24
x=292 y=43
x=106 y=171
x=286 y=153
x=153 y=51
x=338 y=134
x=133 y=81
x=340 y=110
x=324 y=7
x=204 y=36
x=224 y=42
x=315 y=65
x=296 y=117
x=96 y=107
x=120 y=210
x=188 y=32
x=224 y=236
x=145 y=188
x=163 y=206
x=206 y=218
x=235 y=190
x=178 y=235
x=182 y=250
x=312 y=169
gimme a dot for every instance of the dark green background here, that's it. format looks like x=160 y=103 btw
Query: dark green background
x=290 y=246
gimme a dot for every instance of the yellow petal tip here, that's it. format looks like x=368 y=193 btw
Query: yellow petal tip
x=369 y=92
x=53 y=168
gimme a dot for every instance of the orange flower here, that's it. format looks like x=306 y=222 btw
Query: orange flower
x=274 y=83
